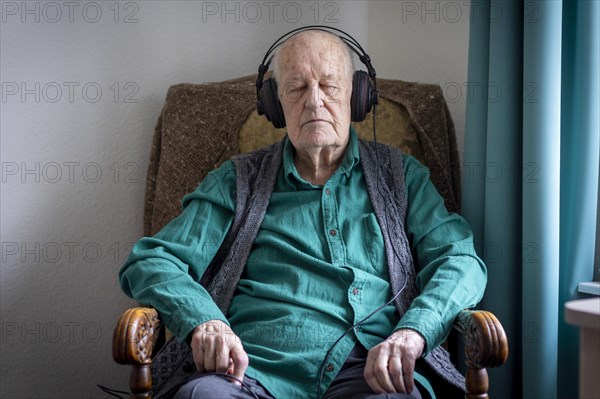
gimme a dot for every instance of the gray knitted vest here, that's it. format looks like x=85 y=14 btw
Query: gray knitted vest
x=256 y=174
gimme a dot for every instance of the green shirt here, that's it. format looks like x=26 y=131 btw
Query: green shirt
x=317 y=267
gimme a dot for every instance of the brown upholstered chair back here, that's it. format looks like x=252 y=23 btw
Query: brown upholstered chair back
x=202 y=125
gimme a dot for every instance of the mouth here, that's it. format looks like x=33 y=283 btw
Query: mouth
x=315 y=121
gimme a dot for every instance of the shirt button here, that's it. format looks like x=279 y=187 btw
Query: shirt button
x=332 y=232
x=327 y=191
x=329 y=367
x=355 y=291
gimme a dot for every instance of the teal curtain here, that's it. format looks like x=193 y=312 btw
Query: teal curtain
x=530 y=179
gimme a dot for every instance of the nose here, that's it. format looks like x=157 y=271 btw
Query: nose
x=315 y=96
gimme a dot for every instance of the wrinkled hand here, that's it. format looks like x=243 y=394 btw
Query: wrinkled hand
x=391 y=364
x=215 y=347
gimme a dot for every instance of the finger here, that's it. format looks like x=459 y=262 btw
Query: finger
x=239 y=358
x=209 y=355
x=408 y=369
x=369 y=373
x=221 y=355
x=380 y=367
x=396 y=373
x=198 y=355
x=230 y=368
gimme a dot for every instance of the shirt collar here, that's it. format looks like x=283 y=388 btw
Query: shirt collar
x=351 y=159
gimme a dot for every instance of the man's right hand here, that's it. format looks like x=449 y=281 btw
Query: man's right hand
x=216 y=348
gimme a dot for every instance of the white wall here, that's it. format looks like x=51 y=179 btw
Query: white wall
x=424 y=42
x=74 y=161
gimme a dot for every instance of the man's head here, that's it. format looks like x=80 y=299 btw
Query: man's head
x=314 y=72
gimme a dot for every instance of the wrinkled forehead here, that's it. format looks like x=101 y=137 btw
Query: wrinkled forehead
x=314 y=52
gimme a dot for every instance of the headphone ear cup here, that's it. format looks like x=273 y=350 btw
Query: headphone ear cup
x=270 y=104
x=361 y=100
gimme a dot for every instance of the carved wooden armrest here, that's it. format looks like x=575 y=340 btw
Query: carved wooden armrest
x=485 y=346
x=138 y=332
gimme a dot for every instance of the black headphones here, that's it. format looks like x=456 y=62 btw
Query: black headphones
x=364 y=84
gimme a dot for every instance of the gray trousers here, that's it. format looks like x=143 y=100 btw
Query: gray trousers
x=348 y=384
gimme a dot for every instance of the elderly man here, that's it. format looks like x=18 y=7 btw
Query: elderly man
x=300 y=318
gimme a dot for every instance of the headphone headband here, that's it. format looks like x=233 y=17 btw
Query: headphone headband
x=350 y=41
x=364 y=85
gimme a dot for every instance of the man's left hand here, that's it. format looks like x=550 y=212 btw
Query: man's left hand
x=391 y=364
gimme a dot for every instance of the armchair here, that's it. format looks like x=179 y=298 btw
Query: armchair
x=201 y=126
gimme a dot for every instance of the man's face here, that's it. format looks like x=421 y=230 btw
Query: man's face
x=315 y=88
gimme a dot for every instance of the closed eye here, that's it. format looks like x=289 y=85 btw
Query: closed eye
x=330 y=90
x=293 y=91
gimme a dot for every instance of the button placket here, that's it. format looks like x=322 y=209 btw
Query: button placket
x=355 y=297
x=330 y=221
x=336 y=360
